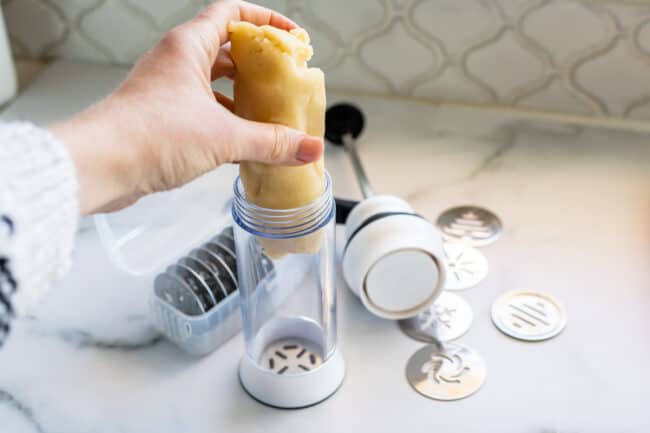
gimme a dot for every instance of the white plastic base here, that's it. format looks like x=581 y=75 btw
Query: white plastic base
x=294 y=390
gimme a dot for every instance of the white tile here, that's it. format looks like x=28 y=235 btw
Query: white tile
x=618 y=77
x=403 y=47
x=72 y=9
x=34 y=25
x=276 y=5
x=511 y=9
x=397 y=55
x=456 y=24
x=563 y=41
x=351 y=75
x=627 y=14
x=80 y=48
x=555 y=97
x=348 y=19
x=124 y=34
x=400 y=3
x=641 y=111
x=505 y=65
x=644 y=37
x=323 y=39
x=164 y=13
x=453 y=85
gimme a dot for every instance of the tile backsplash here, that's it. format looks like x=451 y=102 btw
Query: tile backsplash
x=578 y=57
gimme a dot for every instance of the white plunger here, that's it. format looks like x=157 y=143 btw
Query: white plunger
x=393 y=257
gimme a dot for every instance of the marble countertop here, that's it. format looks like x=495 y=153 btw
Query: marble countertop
x=575 y=203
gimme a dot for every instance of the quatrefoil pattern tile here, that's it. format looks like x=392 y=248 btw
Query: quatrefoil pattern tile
x=578 y=57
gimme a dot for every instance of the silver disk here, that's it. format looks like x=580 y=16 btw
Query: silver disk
x=476 y=225
x=191 y=279
x=175 y=292
x=529 y=315
x=466 y=266
x=447 y=319
x=291 y=356
x=446 y=371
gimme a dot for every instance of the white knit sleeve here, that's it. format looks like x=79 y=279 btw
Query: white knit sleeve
x=39 y=213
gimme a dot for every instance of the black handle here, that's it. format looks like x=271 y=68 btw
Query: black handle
x=343 y=209
x=341 y=119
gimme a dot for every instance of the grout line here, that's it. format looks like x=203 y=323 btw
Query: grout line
x=521 y=113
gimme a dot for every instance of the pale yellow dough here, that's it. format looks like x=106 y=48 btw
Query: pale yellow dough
x=273 y=84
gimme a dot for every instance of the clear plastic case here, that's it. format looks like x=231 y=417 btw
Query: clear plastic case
x=289 y=314
x=148 y=236
x=180 y=239
x=300 y=245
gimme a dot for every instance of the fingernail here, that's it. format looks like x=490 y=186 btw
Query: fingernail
x=310 y=150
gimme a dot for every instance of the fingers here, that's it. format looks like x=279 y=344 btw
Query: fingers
x=274 y=144
x=213 y=21
x=260 y=16
x=224 y=100
x=223 y=65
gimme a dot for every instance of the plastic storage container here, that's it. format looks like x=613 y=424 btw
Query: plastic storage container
x=172 y=240
x=289 y=313
x=195 y=302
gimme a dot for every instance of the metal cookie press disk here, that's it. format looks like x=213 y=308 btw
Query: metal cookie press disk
x=448 y=318
x=218 y=247
x=466 y=266
x=207 y=277
x=175 y=292
x=393 y=258
x=202 y=280
x=477 y=226
x=529 y=315
x=446 y=371
x=196 y=300
x=291 y=356
x=191 y=279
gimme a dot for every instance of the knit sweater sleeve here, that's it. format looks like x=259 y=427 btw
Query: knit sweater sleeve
x=39 y=214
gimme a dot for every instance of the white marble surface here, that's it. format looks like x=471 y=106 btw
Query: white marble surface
x=575 y=203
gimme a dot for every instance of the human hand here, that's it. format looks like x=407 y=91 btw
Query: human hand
x=164 y=125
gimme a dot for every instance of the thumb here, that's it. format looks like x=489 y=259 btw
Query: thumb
x=274 y=144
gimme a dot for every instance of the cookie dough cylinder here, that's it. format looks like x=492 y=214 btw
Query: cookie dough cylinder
x=274 y=84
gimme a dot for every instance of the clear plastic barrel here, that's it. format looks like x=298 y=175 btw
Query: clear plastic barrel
x=286 y=272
